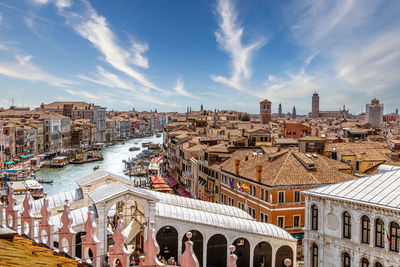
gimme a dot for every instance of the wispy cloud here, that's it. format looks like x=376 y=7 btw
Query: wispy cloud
x=319 y=23
x=106 y=78
x=114 y=97
x=24 y=69
x=373 y=67
x=84 y=94
x=96 y=30
x=3 y=47
x=109 y=79
x=40 y=2
x=180 y=89
x=356 y=43
x=61 y=4
x=292 y=86
x=229 y=37
x=138 y=49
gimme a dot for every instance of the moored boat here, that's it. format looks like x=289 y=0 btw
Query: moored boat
x=59 y=162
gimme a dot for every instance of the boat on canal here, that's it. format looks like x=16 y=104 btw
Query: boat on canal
x=59 y=162
x=32 y=186
x=134 y=148
x=90 y=157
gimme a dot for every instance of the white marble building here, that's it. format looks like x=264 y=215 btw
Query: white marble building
x=346 y=222
x=214 y=226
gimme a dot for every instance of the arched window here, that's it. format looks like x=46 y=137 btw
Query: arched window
x=346 y=225
x=378 y=264
x=394 y=236
x=365 y=229
x=364 y=262
x=314 y=217
x=314 y=262
x=379 y=235
x=346 y=260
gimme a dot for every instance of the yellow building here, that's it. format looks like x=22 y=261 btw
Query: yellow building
x=362 y=157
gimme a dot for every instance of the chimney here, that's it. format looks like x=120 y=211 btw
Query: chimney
x=259 y=171
x=237 y=162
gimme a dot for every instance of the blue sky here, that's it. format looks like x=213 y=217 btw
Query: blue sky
x=226 y=54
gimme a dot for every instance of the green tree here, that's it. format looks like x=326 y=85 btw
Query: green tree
x=245 y=117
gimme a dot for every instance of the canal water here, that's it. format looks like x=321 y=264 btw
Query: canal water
x=64 y=178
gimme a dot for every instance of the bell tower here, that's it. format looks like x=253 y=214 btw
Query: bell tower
x=265 y=111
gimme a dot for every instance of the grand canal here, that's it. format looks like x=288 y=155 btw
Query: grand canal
x=64 y=178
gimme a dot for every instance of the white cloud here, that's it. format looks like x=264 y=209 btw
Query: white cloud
x=180 y=89
x=106 y=78
x=292 y=86
x=63 y=3
x=356 y=42
x=137 y=58
x=1 y=17
x=40 y=2
x=29 y=22
x=96 y=30
x=84 y=94
x=229 y=37
x=3 y=47
x=320 y=23
x=24 y=69
x=372 y=67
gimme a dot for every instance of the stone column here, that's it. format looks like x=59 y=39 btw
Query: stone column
x=205 y=239
x=251 y=255
x=179 y=246
x=273 y=255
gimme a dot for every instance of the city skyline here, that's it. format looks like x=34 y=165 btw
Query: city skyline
x=148 y=55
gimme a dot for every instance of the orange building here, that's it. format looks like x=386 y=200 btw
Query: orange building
x=268 y=184
x=295 y=130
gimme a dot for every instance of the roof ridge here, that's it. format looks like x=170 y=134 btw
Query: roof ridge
x=280 y=169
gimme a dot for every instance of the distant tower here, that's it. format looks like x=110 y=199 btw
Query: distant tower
x=201 y=107
x=280 y=110
x=315 y=106
x=374 y=113
x=294 y=112
x=397 y=112
x=265 y=111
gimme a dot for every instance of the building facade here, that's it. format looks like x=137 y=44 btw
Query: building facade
x=374 y=113
x=354 y=223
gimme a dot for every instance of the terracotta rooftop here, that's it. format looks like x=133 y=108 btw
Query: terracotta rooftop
x=23 y=252
x=287 y=170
